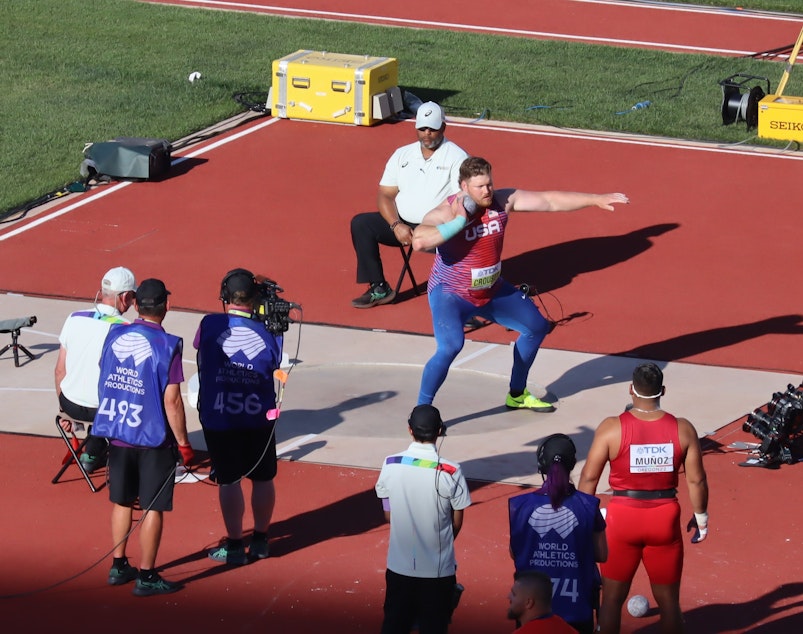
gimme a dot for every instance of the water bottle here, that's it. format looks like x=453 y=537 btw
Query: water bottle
x=639 y=106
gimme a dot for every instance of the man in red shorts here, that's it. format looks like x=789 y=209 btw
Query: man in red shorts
x=646 y=447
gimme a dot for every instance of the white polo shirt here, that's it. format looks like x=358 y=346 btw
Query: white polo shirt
x=82 y=336
x=423 y=183
x=422 y=489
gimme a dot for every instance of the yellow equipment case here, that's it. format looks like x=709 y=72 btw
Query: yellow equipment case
x=781 y=117
x=322 y=86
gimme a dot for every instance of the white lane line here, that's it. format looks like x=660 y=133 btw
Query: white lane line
x=754 y=14
x=300 y=441
x=474 y=355
x=64 y=210
x=229 y=139
x=41 y=333
x=115 y=188
x=463 y=27
x=591 y=135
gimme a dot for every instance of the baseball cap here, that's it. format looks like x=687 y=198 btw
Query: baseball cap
x=429 y=115
x=425 y=421
x=118 y=280
x=151 y=292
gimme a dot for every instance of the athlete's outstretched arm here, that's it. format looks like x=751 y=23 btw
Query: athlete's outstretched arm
x=523 y=200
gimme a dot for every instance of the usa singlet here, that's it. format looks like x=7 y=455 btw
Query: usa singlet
x=469 y=265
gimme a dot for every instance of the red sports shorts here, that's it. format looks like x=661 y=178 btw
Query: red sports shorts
x=644 y=531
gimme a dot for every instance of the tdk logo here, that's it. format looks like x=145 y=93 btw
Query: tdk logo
x=652 y=450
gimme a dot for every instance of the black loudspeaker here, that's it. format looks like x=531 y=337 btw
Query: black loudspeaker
x=128 y=158
x=740 y=98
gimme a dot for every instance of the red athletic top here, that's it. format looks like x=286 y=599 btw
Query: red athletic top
x=469 y=264
x=649 y=456
x=551 y=624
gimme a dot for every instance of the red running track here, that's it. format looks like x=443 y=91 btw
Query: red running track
x=699 y=266
x=681 y=28
x=328 y=548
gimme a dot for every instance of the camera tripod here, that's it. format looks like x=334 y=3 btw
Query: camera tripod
x=14 y=326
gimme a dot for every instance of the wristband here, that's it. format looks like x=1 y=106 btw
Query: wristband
x=452 y=228
x=702 y=520
x=395 y=224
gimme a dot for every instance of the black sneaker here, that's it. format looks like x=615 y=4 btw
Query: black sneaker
x=157 y=585
x=92 y=463
x=259 y=548
x=376 y=295
x=225 y=554
x=121 y=576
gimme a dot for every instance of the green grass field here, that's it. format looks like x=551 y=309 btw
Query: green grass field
x=73 y=73
x=787 y=6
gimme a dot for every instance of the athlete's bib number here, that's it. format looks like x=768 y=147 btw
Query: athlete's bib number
x=121 y=412
x=656 y=458
x=485 y=277
x=237 y=403
x=565 y=588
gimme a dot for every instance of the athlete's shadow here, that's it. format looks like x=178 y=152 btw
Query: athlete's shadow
x=784 y=605
x=552 y=267
x=513 y=466
x=317 y=421
x=618 y=366
x=353 y=515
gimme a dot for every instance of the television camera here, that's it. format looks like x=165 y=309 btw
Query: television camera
x=777 y=427
x=273 y=310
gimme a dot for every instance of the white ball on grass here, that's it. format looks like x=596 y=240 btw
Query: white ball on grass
x=638 y=605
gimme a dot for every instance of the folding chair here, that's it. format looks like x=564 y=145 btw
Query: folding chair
x=406 y=270
x=74 y=453
x=14 y=326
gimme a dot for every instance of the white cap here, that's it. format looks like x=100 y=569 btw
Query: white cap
x=429 y=115
x=118 y=280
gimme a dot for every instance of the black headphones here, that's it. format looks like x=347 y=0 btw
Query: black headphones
x=561 y=445
x=428 y=435
x=225 y=293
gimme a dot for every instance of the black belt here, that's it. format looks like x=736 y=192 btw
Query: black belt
x=646 y=495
